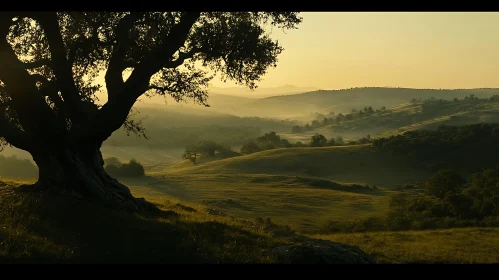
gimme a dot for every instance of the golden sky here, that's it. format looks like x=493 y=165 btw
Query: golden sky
x=400 y=49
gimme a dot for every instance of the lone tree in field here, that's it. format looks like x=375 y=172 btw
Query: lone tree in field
x=49 y=63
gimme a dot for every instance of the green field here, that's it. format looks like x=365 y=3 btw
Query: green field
x=343 y=164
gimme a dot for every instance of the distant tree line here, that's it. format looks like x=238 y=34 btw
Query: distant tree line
x=421 y=110
x=333 y=118
x=466 y=149
x=272 y=140
x=446 y=200
x=268 y=141
x=207 y=149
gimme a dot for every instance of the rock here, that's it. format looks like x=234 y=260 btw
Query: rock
x=315 y=251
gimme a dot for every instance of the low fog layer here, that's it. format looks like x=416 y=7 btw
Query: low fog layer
x=233 y=121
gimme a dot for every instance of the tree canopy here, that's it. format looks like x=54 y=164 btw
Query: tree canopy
x=50 y=62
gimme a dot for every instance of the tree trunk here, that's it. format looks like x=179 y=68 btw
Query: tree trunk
x=81 y=173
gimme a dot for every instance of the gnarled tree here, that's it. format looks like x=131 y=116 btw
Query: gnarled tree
x=49 y=62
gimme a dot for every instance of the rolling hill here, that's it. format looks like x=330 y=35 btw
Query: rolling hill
x=348 y=164
x=325 y=101
x=302 y=187
x=419 y=115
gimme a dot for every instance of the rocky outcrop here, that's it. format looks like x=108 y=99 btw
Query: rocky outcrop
x=316 y=251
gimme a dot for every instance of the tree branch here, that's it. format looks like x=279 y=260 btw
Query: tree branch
x=14 y=135
x=37 y=64
x=161 y=89
x=138 y=81
x=84 y=44
x=62 y=68
x=114 y=73
x=48 y=89
x=114 y=113
x=181 y=58
x=80 y=44
x=35 y=115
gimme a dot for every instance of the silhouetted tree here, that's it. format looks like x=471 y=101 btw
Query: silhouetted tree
x=331 y=142
x=318 y=140
x=315 y=124
x=49 y=62
x=285 y=143
x=269 y=140
x=208 y=148
x=249 y=148
x=191 y=153
x=131 y=169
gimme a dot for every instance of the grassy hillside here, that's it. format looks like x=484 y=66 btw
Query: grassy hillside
x=348 y=164
x=455 y=246
x=345 y=100
x=305 y=204
x=36 y=228
x=302 y=187
x=44 y=229
x=414 y=115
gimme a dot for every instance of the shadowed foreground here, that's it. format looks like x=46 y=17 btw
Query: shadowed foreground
x=42 y=228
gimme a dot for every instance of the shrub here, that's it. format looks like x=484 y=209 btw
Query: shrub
x=131 y=169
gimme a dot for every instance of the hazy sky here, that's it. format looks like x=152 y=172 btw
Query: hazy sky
x=421 y=50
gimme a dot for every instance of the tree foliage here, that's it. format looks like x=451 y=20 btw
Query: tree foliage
x=467 y=148
x=51 y=62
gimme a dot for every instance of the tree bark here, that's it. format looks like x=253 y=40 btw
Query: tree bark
x=80 y=172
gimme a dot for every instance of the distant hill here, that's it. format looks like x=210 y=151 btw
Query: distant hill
x=261 y=92
x=290 y=102
x=343 y=101
x=416 y=115
x=359 y=164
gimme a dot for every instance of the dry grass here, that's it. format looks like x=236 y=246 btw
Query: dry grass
x=285 y=199
x=268 y=184
x=458 y=246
